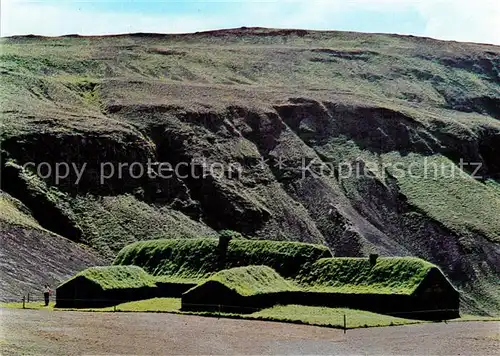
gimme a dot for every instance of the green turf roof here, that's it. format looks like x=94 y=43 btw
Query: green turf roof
x=252 y=280
x=184 y=259
x=390 y=275
x=195 y=259
x=116 y=277
x=285 y=257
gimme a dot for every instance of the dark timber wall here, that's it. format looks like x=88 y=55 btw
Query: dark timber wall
x=84 y=293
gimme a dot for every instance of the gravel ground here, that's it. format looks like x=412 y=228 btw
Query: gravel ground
x=84 y=333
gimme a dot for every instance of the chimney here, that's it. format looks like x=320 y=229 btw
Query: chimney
x=373 y=259
x=222 y=250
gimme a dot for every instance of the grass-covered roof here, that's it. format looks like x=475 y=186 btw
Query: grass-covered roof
x=116 y=277
x=182 y=259
x=252 y=280
x=191 y=259
x=390 y=275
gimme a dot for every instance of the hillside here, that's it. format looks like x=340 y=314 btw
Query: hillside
x=294 y=111
x=31 y=256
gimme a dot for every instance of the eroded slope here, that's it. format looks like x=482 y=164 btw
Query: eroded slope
x=295 y=111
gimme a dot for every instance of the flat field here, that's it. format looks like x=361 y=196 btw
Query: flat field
x=43 y=332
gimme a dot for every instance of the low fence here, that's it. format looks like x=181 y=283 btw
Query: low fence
x=255 y=303
x=406 y=306
x=232 y=311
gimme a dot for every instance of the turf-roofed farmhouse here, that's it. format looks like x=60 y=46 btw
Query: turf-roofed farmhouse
x=402 y=286
x=242 y=276
x=104 y=286
x=241 y=290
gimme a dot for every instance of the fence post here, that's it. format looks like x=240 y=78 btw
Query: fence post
x=28 y=297
x=345 y=324
x=24 y=300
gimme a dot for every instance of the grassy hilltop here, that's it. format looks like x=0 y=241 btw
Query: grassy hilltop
x=270 y=101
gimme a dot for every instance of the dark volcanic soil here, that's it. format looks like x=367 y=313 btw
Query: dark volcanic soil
x=31 y=258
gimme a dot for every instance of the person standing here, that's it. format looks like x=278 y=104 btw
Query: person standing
x=46 y=294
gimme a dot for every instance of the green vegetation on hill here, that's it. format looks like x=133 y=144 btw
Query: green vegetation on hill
x=253 y=96
x=252 y=280
x=117 y=277
x=199 y=258
x=256 y=57
x=13 y=212
x=112 y=222
x=390 y=275
x=436 y=185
